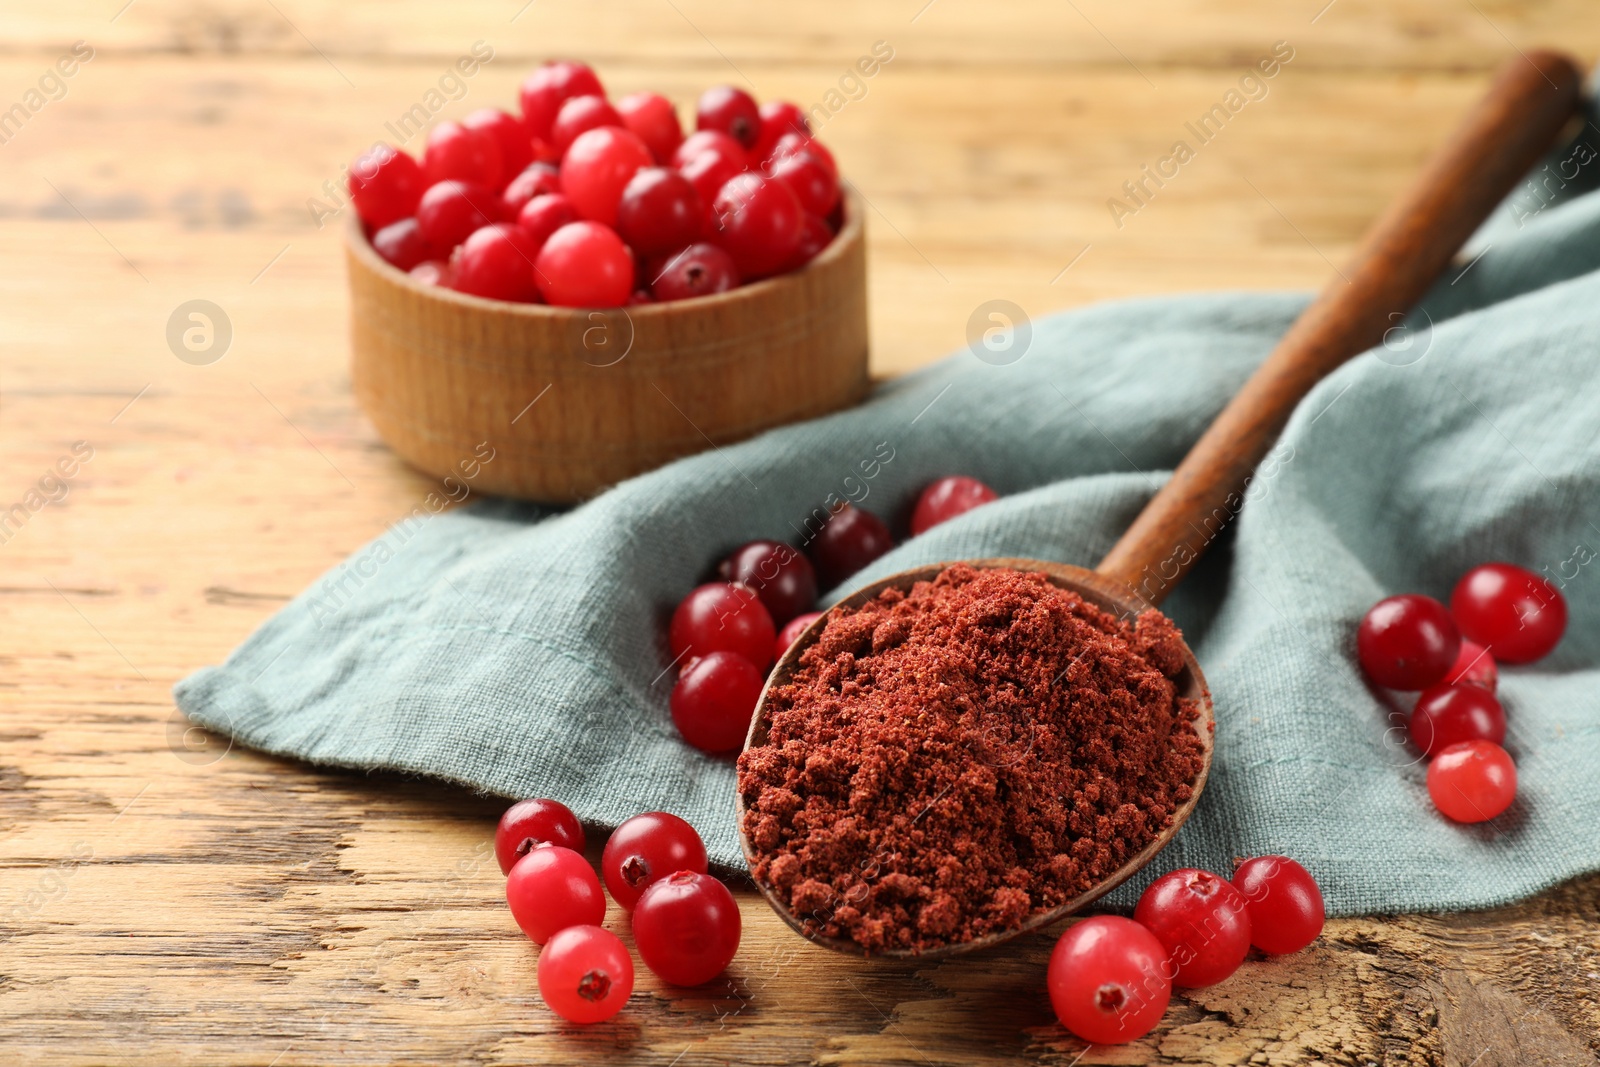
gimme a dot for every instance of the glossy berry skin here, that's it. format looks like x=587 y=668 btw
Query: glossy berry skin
x=1201 y=920
x=1474 y=666
x=1285 y=904
x=1472 y=781
x=699 y=270
x=659 y=212
x=714 y=699
x=547 y=88
x=847 y=542
x=1108 y=980
x=759 y=222
x=778 y=117
x=509 y=133
x=1517 y=614
x=794 y=142
x=401 y=244
x=450 y=211
x=687 y=927
x=655 y=120
x=780 y=575
x=536 y=821
x=808 y=178
x=644 y=850
x=1407 y=642
x=585 y=974
x=496 y=263
x=730 y=111
x=708 y=172
x=792 y=630
x=723 y=617
x=552 y=888
x=598 y=167
x=1448 y=714
x=455 y=152
x=543 y=216
x=385 y=184
x=537 y=179
x=715 y=141
x=946 y=498
x=578 y=114
x=815 y=235
x=433 y=272
x=584 y=265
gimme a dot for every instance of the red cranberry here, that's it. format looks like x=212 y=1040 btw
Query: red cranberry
x=544 y=215
x=778 y=117
x=723 y=617
x=536 y=179
x=402 y=244
x=546 y=89
x=496 y=262
x=708 y=172
x=1286 y=910
x=433 y=272
x=385 y=184
x=811 y=181
x=1446 y=714
x=699 y=270
x=452 y=210
x=516 y=147
x=1407 y=642
x=1108 y=980
x=687 y=928
x=946 y=498
x=847 y=542
x=552 y=888
x=584 y=264
x=1518 y=615
x=644 y=850
x=639 y=297
x=792 y=630
x=795 y=142
x=659 y=212
x=655 y=120
x=1472 y=781
x=1202 y=921
x=702 y=141
x=1474 y=666
x=731 y=111
x=781 y=577
x=815 y=235
x=528 y=824
x=714 y=699
x=585 y=974
x=759 y=222
x=598 y=167
x=578 y=114
x=457 y=153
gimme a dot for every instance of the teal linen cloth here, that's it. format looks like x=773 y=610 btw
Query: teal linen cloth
x=520 y=651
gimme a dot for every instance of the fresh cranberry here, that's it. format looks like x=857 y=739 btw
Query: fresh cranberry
x=451 y=210
x=792 y=630
x=808 y=178
x=496 y=262
x=598 y=166
x=687 y=928
x=1518 y=615
x=533 y=822
x=516 y=147
x=1472 y=781
x=790 y=143
x=723 y=617
x=708 y=172
x=1286 y=910
x=655 y=120
x=659 y=211
x=1447 y=714
x=1108 y=980
x=552 y=888
x=537 y=179
x=759 y=222
x=1474 y=666
x=1202 y=921
x=715 y=141
x=584 y=265
x=730 y=111
x=699 y=270
x=401 y=244
x=714 y=699
x=778 y=117
x=1407 y=642
x=585 y=974
x=385 y=184
x=946 y=498
x=640 y=297
x=815 y=235
x=543 y=216
x=433 y=272
x=848 y=541
x=578 y=114
x=546 y=89
x=456 y=153
x=781 y=577
x=645 y=849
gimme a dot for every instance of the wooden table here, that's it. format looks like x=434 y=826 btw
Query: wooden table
x=166 y=900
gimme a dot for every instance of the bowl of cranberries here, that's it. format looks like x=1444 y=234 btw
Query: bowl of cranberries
x=669 y=284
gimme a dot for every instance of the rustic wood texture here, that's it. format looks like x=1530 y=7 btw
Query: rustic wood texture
x=163 y=901
x=571 y=401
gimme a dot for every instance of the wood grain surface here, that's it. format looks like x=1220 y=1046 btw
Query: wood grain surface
x=166 y=899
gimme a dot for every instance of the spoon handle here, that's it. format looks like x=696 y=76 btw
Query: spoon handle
x=1508 y=131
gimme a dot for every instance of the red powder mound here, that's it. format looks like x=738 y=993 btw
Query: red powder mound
x=949 y=761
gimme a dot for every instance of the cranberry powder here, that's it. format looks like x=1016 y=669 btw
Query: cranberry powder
x=946 y=762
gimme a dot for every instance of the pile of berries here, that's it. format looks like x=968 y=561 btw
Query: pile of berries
x=1110 y=978
x=685 y=923
x=582 y=202
x=1498 y=612
x=727 y=633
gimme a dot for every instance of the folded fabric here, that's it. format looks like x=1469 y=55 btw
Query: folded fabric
x=521 y=651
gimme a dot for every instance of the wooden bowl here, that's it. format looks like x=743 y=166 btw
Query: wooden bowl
x=573 y=401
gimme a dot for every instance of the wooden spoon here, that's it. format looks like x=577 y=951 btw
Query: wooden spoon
x=1503 y=137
